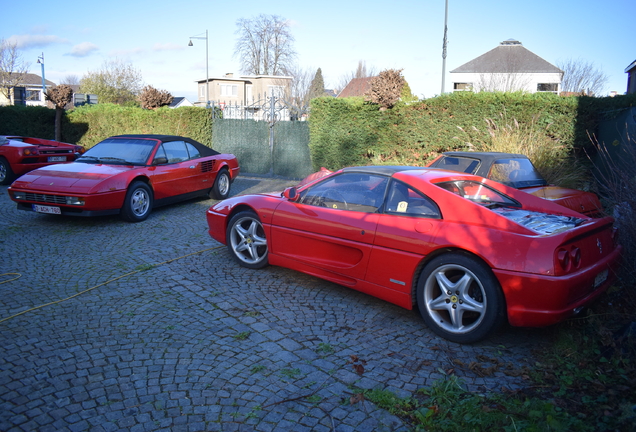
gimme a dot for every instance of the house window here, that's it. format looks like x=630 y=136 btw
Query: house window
x=202 y=91
x=33 y=95
x=229 y=90
x=548 y=87
x=462 y=86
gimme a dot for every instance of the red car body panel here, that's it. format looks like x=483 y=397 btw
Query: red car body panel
x=25 y=154
x=103 y=187
x=382 y=254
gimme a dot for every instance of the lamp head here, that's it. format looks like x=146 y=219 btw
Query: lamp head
x=189 y=44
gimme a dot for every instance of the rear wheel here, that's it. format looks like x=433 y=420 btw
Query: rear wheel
x=6 y=173
x=246 y=240
x=459 y=298
x=138 y=202
x=221 y=188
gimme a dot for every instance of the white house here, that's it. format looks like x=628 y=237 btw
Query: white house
x=508 y=67
x=27 y=92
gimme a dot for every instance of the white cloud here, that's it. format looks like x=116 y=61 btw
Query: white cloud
x=82 y=50
x=36 y=41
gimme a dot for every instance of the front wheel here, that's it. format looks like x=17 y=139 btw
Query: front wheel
x=6 y=173
x=459 y=298
x=246 y=240
x=138 y=202
x=221 y=188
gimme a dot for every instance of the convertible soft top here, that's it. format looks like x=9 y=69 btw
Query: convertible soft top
x=204 y=150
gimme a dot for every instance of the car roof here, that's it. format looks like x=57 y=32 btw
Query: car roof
x=387 y=170
x=488 y=157
x=203 y=149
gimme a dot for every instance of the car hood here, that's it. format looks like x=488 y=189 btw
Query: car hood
x=577 y=200
x=74 y=177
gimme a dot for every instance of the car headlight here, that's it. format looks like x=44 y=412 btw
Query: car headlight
x=19 y=195
x=74 y=201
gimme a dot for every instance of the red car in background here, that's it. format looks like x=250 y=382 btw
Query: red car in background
x=467 y=251
x=19 y=155
x=127 y=175
x=517 y=171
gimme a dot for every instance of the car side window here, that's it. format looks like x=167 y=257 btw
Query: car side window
x=406 y=201
x=461 y=164
x=192 y=150
x=175 y=151
x=348 y=191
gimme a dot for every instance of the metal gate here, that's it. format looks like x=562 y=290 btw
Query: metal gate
x=264 y=138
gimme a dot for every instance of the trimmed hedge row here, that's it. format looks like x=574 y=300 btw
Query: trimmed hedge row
x=351 y=132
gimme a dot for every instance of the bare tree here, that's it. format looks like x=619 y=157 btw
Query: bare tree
x=265 y=45
x=362 y=71
x=151 y=98
x=582 y=77
x=60 y=96
x=386 y=88
x=12 y=68
x=298 y=92
x=116 y=82
x=71 y=80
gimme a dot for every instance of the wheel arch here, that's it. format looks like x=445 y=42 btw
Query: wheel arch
x=444 y=251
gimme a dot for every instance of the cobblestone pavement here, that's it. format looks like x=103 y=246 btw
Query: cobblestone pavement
x=175 y=336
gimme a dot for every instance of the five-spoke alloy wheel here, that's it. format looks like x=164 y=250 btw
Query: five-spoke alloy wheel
x=138 y=202
x=221 y=188
x=459 y=298
x=246 y=240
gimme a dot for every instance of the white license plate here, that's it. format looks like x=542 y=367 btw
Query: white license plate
x=57 y=158
x=600 y=278
x=46 y=209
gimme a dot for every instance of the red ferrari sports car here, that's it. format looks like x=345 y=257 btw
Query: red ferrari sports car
x=19 y=155
x=468 y=251
x=517 y=171
x=129 y=175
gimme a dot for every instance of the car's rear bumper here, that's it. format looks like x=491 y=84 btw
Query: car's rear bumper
x=539 y=300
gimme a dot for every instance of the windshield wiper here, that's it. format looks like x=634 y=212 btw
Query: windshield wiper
x=115 y=159
x=85 y=158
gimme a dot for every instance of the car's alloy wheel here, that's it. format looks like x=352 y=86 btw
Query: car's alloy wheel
x=6 y=173
x=246 y=240
x=459 y=298
x=138 y=202
x=221 y=188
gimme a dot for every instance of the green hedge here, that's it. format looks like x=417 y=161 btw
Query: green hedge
x=351 y=132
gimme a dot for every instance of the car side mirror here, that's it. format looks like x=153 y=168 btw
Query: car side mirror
x=291 y=193
x=160 y=161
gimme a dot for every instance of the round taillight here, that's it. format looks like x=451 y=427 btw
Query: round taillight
x=575 y=255
x=564 y=258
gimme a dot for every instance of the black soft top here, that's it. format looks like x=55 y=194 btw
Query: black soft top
x=204 y=150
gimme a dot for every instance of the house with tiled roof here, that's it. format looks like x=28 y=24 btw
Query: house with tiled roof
x=28 y=91
x=508 y=67
x=356 y=87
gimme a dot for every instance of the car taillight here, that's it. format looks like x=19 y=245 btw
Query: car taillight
x=79 y=149
x=30 y=151
x=564 y=259
x=575 y=256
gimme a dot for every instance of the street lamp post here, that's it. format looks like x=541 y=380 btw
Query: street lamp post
x=43 y=80
x=207 y=75
x=444 y=47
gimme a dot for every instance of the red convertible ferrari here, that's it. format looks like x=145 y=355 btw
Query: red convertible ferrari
x=467 y=251
x=129 y=175
x=19 y=155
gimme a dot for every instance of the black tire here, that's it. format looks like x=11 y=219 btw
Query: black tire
x=460 y=298
x=222 y=183
x=138 y=202
x=245 y=238
x=6 y=173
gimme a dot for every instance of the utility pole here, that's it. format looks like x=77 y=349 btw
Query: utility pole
x=444 y=48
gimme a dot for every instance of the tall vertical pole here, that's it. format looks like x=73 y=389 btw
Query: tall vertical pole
x=43 y=80
x=444 y=47
x=207 y=75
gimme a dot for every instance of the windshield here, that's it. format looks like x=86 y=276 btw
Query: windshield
x=517 y=173
x=120 y=151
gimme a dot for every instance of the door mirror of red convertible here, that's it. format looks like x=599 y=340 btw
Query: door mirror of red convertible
x=291 y=194
x=160 y=161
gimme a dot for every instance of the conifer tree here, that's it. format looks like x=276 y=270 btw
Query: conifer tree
x=317 y=87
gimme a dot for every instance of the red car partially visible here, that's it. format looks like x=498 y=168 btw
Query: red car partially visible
x=19 y=155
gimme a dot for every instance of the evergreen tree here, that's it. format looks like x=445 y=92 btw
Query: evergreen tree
x=317 y=87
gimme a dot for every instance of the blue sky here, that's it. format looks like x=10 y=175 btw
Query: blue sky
x=77 y=37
